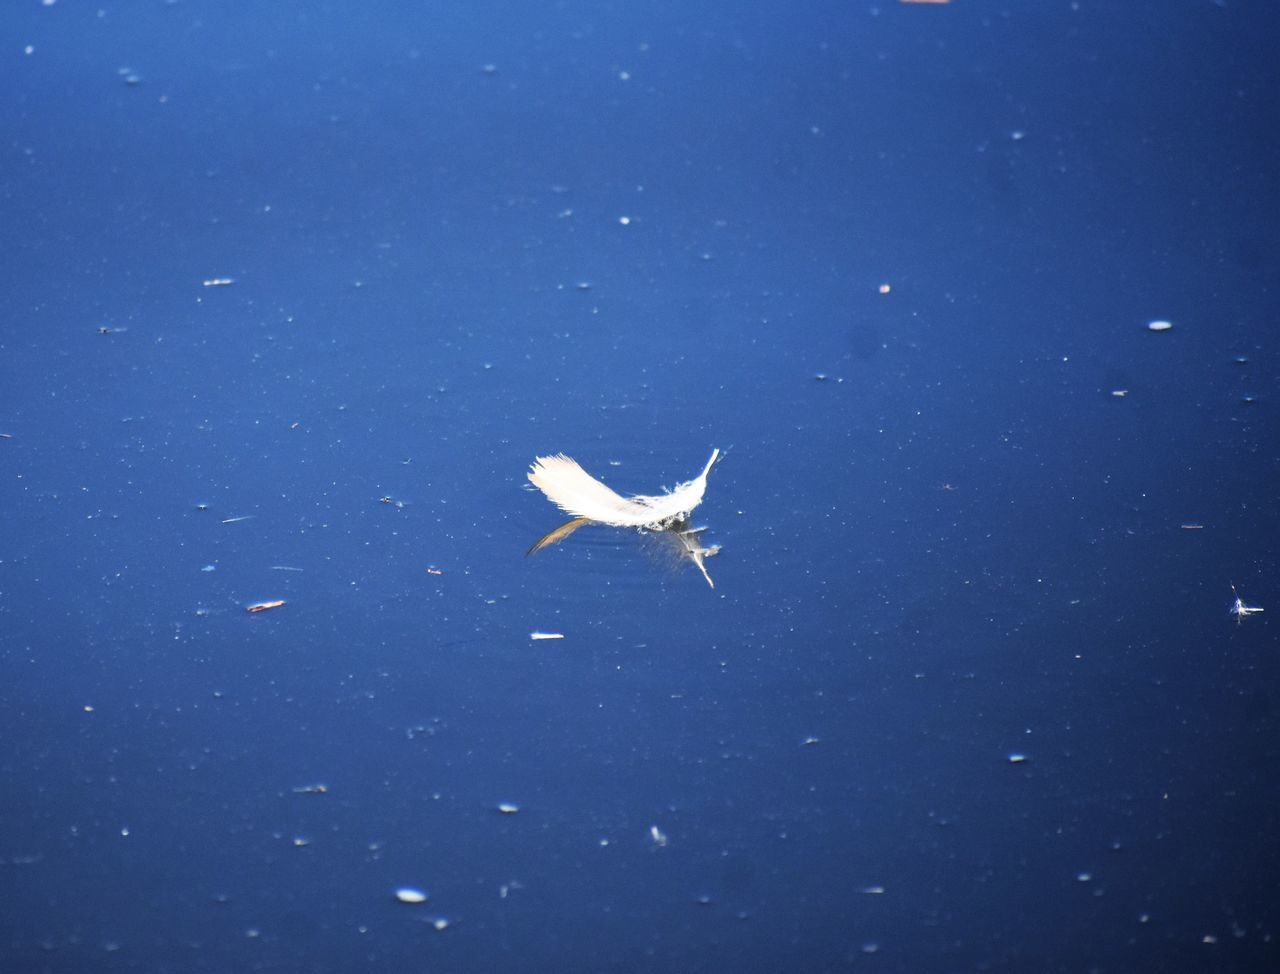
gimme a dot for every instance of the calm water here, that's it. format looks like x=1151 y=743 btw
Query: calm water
x=967 y=694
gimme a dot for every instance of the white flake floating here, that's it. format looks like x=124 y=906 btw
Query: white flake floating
x=1240 y=610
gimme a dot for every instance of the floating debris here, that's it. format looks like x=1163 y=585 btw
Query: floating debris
x=1017 y=758
x=1159 y=325
x=219 y=282
x=238 y=518
x=657 y=837
x=590 y=501
x=1119 y=393
x=508 y=808
x=440 y=923
x=264 y=606
x=1240 y=610
x=434 y=571
x=873 y=890
x=209 y=568
x=286 y=568
x=546 y=635
x=411 y=894
x=884 y=288
x=316 y=789
x=1191 y=527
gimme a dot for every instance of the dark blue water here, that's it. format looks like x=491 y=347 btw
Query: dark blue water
x=462 y=236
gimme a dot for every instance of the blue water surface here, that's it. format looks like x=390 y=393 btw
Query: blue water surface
x=294 y=293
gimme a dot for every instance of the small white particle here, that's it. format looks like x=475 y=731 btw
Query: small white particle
x=1159 y=325
x=411 y=894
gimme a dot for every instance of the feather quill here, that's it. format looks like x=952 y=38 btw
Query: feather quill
x=556 y=535
x=578 y=493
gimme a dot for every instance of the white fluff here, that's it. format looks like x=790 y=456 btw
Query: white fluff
x=578 y=493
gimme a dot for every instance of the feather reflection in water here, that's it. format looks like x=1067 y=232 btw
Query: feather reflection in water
x=576 y=492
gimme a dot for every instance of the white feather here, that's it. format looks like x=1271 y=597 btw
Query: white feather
x=578 y=493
